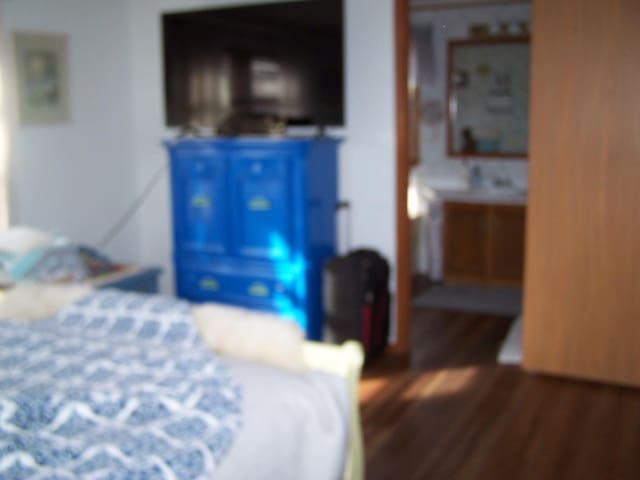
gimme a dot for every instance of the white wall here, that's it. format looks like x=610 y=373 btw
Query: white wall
x=367 y=159
x=454 y=24
x=78 y=177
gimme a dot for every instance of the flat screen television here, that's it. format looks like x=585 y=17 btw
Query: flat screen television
x=283 y=60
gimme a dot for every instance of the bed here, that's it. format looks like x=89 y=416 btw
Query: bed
x=122 y=386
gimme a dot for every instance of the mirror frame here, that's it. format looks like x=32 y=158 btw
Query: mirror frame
x=488 y=42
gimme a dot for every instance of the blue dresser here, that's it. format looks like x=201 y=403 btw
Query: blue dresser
x=254 y=221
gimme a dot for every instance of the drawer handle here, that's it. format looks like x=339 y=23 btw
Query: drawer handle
x=200 y=201
x=209 y=283
x=259 y=204
x=258 y=289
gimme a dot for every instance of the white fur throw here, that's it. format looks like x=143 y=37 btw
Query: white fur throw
x=35 y=301
x=251 y=335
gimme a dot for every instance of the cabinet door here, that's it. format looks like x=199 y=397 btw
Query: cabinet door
x=200 y=200
x=465 y=242
x=506 y=244
x=263 y=206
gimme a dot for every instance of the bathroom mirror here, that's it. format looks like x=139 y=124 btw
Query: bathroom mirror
x=488 y=97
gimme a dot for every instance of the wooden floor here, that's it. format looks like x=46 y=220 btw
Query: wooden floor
x=456 y=414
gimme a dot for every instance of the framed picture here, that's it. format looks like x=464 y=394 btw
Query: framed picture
x=42 y=68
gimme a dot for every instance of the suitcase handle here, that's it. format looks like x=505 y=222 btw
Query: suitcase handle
x=345 y=205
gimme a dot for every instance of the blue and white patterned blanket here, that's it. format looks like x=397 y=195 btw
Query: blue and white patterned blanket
x=117 y=386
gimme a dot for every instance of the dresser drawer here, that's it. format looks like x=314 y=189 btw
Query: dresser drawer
x=280 y=293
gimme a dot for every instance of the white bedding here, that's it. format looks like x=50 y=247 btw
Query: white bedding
x=294 y=425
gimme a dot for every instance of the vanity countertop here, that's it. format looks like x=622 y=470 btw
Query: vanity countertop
x=496 y=196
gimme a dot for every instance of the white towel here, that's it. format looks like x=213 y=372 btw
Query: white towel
x=36 y=301
x=251 y=335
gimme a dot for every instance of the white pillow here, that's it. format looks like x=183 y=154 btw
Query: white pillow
x=19 y=240
x=34 y=301
x=251 y=335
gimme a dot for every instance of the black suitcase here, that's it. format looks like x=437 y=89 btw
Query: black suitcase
x=356 y=300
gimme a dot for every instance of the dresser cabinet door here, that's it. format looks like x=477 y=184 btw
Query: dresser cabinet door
x=200 y=200
x=263 y=207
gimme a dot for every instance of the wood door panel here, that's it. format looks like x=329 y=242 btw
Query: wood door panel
x=506 y=246
x=465 y=240
x=582 y=297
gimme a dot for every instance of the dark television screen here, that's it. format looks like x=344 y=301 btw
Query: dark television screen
x=282 y=59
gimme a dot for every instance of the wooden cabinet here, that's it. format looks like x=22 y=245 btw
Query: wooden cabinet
x=254 y=221
x=483 y=243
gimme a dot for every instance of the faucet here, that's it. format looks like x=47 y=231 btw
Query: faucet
x=475 y=177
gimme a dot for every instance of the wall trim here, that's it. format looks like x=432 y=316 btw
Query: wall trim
x=403 y=247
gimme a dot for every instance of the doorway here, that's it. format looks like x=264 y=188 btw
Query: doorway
x=444 y=262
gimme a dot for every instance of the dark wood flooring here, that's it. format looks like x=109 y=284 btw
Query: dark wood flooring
x=453 y=413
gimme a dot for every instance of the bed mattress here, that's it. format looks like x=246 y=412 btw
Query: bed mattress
x=295 y=425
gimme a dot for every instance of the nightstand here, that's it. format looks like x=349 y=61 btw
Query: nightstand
x=130 y=278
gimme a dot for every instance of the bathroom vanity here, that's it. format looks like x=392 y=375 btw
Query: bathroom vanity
x=483 y=237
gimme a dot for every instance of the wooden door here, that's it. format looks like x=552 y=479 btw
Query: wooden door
x=582 y=285
x=465 y=242
x=506 y=244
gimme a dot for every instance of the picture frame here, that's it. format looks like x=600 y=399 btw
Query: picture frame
x=42 y=77
x=488 y=97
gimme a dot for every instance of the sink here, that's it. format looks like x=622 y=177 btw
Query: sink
x=499 y=190
x=502 y=195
